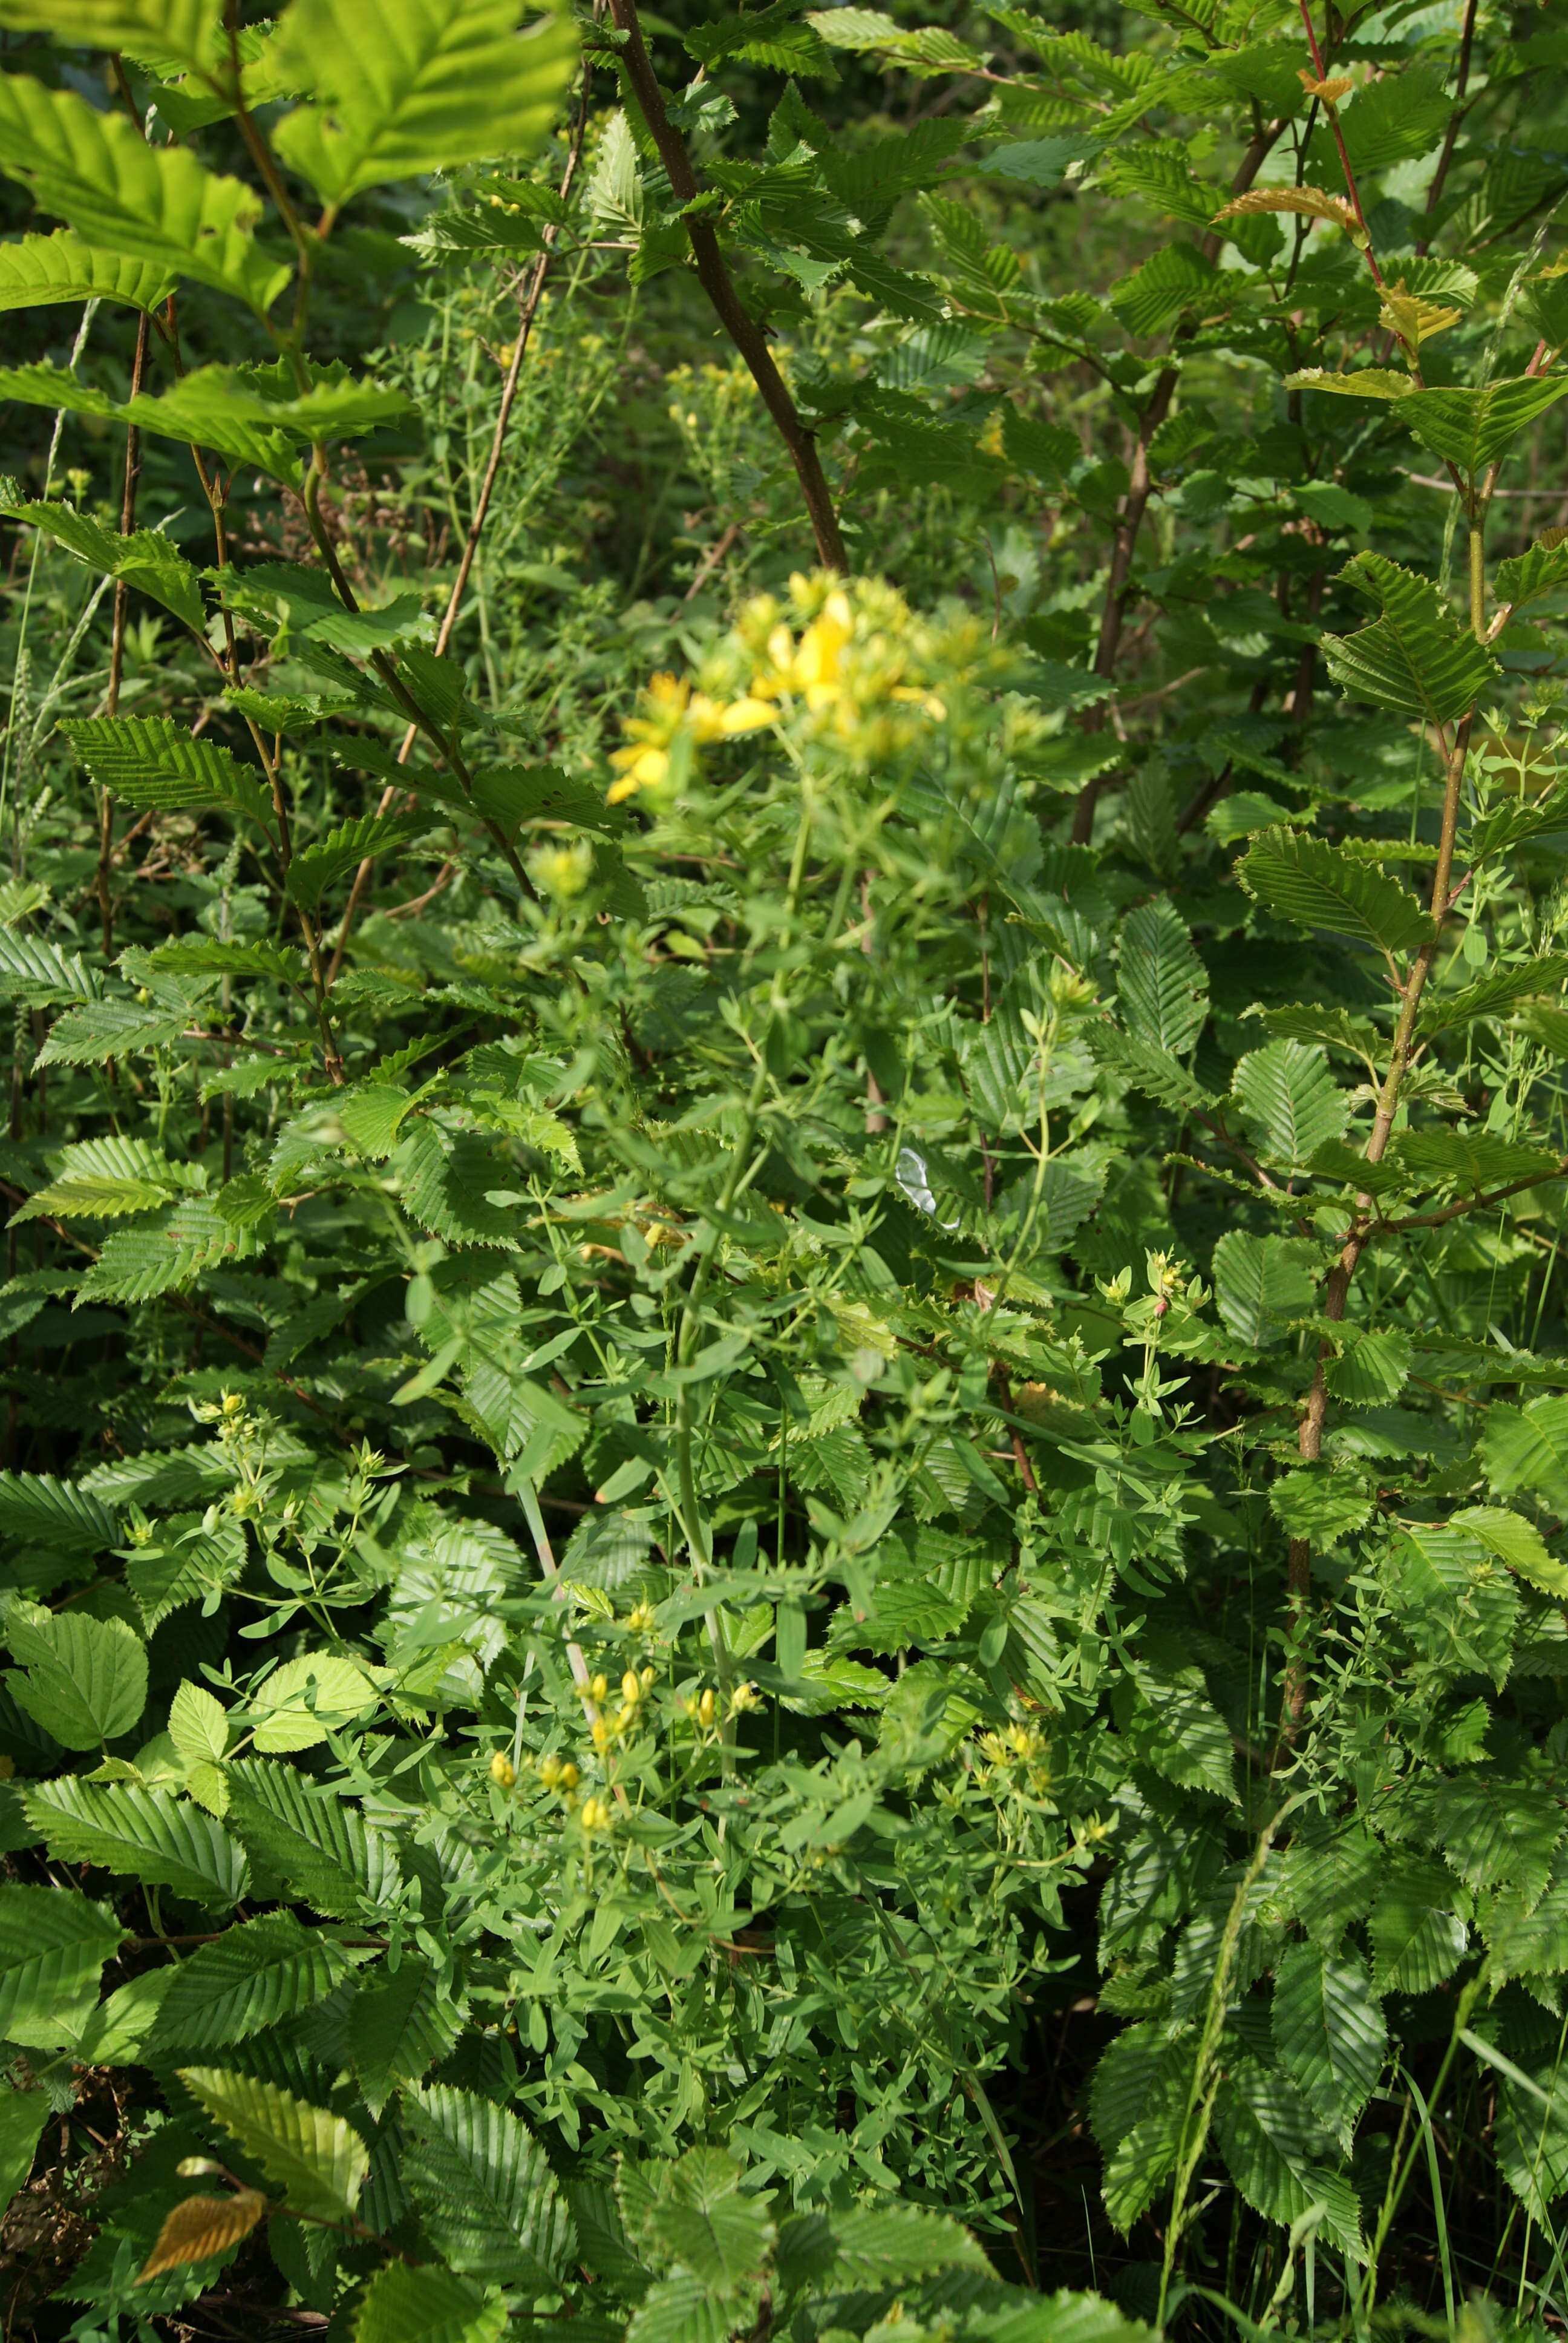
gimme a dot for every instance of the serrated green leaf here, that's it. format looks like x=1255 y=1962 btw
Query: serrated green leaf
x=317 y=2159
x=1269 y=2151
x=37 y=970
x=256 y=1975
x=1473 y=430
x=1418 y=1938
x=144 y=559
x=320 y=865
x=23 y=2115
x=190 y=32
x=1371 y=1369
x=1416 y=657
x=415 y=85
x=1330 y=2031
x=38 y=270
x=102 y=1161
x=103 y=1030
x=1527 y=1448
x=137 y=1264
x=1260 y=1284
x=94 y=170
x=35 y=1505
x=1319 y=1505
x=1162 y=981
x=405 y=2304
x=1309 y=883
x=1174 y=1727
x=1291 y=1100
x=145 y=1834
x=85 y=1679
x=150 y=763
x=486 y=2191
x=1517 y=1543
x=1443 y=1013
x=326 y=1852
x=53 y=1945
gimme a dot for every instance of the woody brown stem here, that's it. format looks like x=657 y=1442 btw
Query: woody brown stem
x=713 y=273
x=1310 y=1438
x=1135 y=503
x=133 y=473
x=527 y=313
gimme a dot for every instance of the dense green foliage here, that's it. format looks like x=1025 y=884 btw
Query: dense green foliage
x=787 y=1410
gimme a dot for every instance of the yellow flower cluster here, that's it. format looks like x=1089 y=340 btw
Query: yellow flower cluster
x=671 y=712
x=846 y=663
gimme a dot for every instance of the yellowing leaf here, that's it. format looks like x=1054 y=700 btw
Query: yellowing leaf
x=1411 y=318
x=200 y=2227
x=306 y=1698
x=1309 y=203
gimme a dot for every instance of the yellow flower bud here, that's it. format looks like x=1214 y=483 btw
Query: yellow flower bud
x=550 y=1771
x=502 y=1770
x=631 y=1688
x=600 y=1687
x=646 y=1679
x=600 y=1734
x=705 y=1708
x=569 y=1777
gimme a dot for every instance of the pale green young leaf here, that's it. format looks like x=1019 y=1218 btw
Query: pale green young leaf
x=53 y=1945
x=90 y=1164
x=1518 y=1543
x=409 y=86
x=316 y=2159
x=405 y=2304
x=38 y=270
x=145 y=1834
x=158 y=204
x=198 y=1725
x=307 y=1697
x=188 y=31
x=1330 y=2031
x=486 y=2191
x=85 y=1679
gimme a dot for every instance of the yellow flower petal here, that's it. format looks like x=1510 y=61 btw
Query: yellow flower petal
x=746 y=715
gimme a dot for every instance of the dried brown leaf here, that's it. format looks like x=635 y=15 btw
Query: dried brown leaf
x=202 y=2226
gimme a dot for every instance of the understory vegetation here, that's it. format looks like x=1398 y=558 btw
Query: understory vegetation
x=785 y=923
